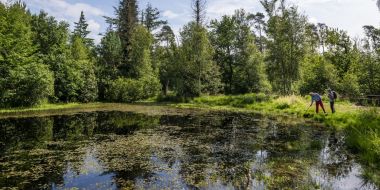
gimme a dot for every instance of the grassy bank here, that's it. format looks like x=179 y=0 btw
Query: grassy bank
x=50 y=108
x=362 y=124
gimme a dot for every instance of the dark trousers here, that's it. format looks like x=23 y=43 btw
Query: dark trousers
x=320 y=103
x=332 y=106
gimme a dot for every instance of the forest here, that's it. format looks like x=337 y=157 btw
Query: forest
x=278 y=52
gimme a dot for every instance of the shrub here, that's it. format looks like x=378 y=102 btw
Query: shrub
x=27 y=85
x=151 y=86
x=131 y=90
x=76 y=81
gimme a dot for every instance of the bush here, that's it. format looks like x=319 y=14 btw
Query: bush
x=151 y=86
x=76 y=81
x=27 y=85
x=131 y=90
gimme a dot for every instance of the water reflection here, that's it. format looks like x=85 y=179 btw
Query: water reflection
x=114 y=150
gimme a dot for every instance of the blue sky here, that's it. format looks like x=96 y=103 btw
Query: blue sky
x=349 y=15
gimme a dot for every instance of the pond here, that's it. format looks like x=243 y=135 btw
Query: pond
x=194 y=150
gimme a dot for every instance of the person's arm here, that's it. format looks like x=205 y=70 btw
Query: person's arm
x=312 y=101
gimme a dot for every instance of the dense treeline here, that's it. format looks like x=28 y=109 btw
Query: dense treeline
x=139 y=56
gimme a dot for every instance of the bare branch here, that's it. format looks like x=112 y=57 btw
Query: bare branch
x=199 y=10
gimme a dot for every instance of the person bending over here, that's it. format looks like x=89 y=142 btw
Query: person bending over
x=315 y=97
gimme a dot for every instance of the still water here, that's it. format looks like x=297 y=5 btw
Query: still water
x=215 y=150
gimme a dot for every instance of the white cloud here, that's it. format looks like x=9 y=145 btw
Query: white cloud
x=170 y=14
x=349 y=15
x=93 y=26
x=70 y=12
x=313 y=20
x=218 y=8
x=64 y=9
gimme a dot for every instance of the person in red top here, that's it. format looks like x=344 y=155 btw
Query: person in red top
x=315 y=97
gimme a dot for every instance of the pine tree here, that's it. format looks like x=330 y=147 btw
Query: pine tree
x=127 y=20
x=81 y=30
x=151 y=18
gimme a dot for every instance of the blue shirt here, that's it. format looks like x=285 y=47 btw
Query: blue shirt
x=315 y=98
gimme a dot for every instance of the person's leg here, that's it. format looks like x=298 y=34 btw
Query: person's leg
x=317 y=107
x=323 y=108
x=332 y=107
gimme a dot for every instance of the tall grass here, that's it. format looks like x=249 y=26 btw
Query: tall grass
x=363 y=135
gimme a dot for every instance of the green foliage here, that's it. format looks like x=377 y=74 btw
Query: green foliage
x=75 y=77
x=317 y=75
x=27 y=85
x=341 y=51
x=81 y=31
x=349 y=85
x=286 y=46
x=199 y=73
x=140 y=58
x=151 y=18
x=131 y=90
x=125 y=90
x=368 y=72
x=50 y=36
x=126 y=21
x=24 y=81
x=110 y=58
x=241 y=63
x=167 y=54
x=364 y=136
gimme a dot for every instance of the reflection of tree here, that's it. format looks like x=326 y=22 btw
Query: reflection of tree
x=27 y=160
x=335 y=160
x=290 y=152
x=27 y=133
x=75 y=127
x=214 y=150
x=130 y=157
x=123 y=123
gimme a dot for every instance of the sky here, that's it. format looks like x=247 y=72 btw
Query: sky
x=349 y=15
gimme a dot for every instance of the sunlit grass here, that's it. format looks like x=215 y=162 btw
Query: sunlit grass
x=43 y=107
